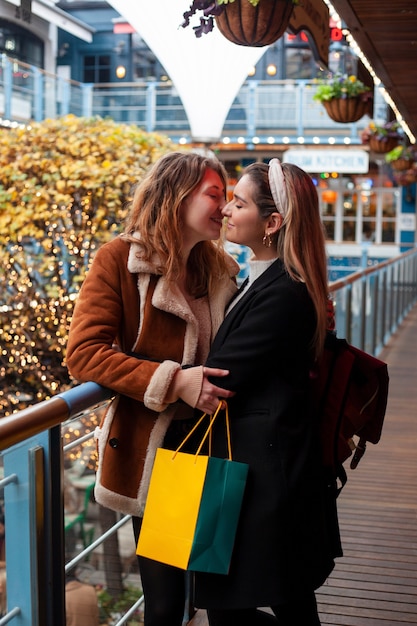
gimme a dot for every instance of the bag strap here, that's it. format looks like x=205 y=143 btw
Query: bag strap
x=222 y=404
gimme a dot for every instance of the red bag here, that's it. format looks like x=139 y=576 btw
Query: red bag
x=350 y=389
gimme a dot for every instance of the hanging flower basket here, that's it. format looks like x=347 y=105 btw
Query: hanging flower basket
x=255 y=26
x=382 y=146
x=400 y=165
x=406 y=177
x=401 y=158
x=346 y=110
x=382 y=138
x=345 y=98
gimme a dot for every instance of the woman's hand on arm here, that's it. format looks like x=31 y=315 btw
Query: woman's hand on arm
x=210 y=394
x=192 y=385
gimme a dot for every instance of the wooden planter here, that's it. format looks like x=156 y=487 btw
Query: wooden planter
x=400 y=165
x=346 y=110
x=382 y=147
x=246 y=25
x=406 y=178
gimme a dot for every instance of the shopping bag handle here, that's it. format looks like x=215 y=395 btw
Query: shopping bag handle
x=222 y=404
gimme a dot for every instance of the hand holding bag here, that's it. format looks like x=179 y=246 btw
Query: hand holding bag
x=193 y=506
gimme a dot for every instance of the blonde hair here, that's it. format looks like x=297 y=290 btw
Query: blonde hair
x=155 y=215
x=300 y=241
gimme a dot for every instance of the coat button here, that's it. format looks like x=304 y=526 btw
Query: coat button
x=113 y=443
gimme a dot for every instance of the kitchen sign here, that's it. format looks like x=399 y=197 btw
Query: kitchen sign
x=339 y=161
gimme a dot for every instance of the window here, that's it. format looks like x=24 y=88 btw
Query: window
x=97 y=69
x=20 y=44
x=358 y=212
x=299 y=63
x=349 y=215
x=328 y=208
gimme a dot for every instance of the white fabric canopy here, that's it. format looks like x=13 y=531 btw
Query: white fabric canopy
x=207 y=72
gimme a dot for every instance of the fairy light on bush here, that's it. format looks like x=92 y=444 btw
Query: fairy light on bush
x=65 y=187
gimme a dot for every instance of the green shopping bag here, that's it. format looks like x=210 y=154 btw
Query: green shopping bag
x=193 y=506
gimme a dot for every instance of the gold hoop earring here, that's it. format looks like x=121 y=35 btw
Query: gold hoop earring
x=267 y=240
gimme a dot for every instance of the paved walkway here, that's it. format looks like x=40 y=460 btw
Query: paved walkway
x=375 y=583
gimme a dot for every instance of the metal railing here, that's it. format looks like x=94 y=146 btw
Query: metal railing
x=370 y=305
x=263 y=112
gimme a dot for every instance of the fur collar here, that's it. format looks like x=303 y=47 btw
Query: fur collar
x=169 y=298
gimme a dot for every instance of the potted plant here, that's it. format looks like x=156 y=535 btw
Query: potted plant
x=382 y=138
x=400 y=158
x=112 y=608
x=406 y=177
x=345 y=98
x=244 y=22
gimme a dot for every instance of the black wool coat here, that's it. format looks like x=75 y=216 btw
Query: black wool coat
x=288 y=534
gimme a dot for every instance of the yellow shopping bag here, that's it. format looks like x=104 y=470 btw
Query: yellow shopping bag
x=192 y=509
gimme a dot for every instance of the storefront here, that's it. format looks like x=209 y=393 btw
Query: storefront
x=367 y=217
x=359 y=202
x=28 y=31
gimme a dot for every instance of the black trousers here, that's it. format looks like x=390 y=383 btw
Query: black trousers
x=164 y=589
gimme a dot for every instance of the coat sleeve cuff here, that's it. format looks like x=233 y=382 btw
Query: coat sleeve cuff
x=156 y=391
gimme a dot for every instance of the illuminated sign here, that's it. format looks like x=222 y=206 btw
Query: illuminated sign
x=340 y=161
x=336 y=34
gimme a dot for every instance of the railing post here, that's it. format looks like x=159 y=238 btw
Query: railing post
x=414 y=278
x=55 y=539
x=151 y=107
x=348 y=319
x=38 y=88
x=384 y=307
x=402 y=283
x=374 y=286
x=390 y=306
x=362 y=332
x=87 y=99
x=8 y=85
x=251 y=111
x=34 y=536
x=63 y=96
x=300 y=108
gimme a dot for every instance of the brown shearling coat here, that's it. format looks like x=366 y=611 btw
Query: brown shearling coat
x=125 y=305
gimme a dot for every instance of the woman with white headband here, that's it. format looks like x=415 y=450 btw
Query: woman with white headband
x=288 y=533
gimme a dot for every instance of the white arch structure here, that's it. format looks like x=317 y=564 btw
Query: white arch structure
x=207 y=72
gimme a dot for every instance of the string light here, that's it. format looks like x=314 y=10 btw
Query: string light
x=377 y=81
x=84 y=453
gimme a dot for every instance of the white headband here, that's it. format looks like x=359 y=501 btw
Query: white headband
x=277 y=185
